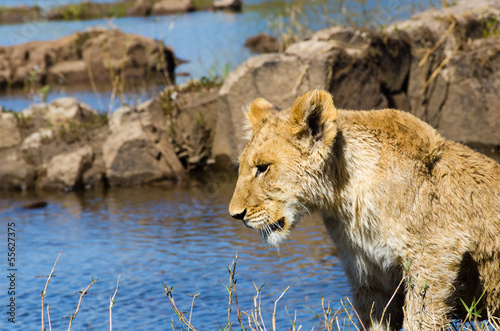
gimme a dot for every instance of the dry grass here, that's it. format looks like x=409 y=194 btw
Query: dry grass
x=254 y=319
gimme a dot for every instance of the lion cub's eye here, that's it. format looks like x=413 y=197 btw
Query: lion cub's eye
x=261 y=168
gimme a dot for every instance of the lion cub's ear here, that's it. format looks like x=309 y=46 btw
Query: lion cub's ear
x=315 y=114
x=258 y=111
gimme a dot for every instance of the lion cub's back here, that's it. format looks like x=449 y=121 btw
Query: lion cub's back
x=464 y=180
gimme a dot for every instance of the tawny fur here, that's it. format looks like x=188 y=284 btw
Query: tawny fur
x=402 y=204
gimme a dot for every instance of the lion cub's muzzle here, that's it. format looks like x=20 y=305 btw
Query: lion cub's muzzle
x=278 y=225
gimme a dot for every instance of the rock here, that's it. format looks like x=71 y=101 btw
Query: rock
x=16 y=175
x=442 y=66
x=263 y=43
x=64 y=171
x=192 y=123
x=68 y=72
x=68 y=108
x=138 y=151
x=79 y=56
x=163 y=7
x=94 y=177
x=234 y=5
x=132 y=55
x=453 y=87
x=140 y=8
x=37 y=204
x=18 y=14
x=9 y=133
x=277 y=77
x=35 y=140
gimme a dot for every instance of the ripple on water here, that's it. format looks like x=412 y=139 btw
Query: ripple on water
x=155 y=235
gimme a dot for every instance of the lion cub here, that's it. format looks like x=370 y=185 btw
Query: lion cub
x=411 y=213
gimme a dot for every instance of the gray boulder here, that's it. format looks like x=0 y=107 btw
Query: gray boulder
x=9 y=133
x=16 y=175
x=35 y=140
x=163 y=7
x=138 y=151
x=68 y=108
x=64 y=171
x=234 y=5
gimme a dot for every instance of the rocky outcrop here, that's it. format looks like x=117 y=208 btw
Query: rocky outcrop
x=192 y=117
x=140 y=8
x=455 y=70
x=163 y=7
x=66 y=145
x=233 y=5
x=98 y=55
x=12 y=15
x=443 y=66
x=263 y=43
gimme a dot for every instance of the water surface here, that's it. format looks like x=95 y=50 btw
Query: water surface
x=181 y=236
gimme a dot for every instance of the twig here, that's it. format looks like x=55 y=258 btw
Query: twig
x=48 y=318
x=192 y=305
x=359 y=319
x=72 y=317
x=112 y=98
x=112 y=303
x=392 y=297
x=233 y=282
x=438 y=44
x=304 y=71
x=44 y=293
x=182 y=318
x=274 y=311
x=92 y=84
x=437 y=71
x=349 y=315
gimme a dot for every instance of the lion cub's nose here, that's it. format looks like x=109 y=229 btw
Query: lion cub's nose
x=239 y=216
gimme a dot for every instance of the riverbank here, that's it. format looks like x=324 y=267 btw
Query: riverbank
x=442 y=66
x=88 y=10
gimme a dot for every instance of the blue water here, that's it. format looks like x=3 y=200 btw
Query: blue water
x=212 y=42
x=181 y=236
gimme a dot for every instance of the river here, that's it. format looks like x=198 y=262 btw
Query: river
x=181 y=236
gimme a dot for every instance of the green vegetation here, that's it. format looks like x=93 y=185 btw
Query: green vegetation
x=202 y=4
x=73 y=131
x=490 y=26
x=91 y=10
x=10 y=15
x=23 y=122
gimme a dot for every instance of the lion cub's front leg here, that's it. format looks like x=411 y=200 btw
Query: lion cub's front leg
x=428 y=287
x=376 y=310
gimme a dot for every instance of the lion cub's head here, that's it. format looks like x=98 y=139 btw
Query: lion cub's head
x=281 y=165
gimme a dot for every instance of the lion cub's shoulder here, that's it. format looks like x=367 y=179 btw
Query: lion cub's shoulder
x=400 y=130
x=410 y=137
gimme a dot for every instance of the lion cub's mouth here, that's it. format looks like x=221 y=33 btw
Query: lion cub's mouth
x=278 y=225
